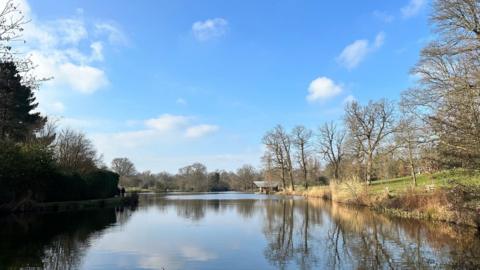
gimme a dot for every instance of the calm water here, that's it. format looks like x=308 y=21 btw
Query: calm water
x=232 y=231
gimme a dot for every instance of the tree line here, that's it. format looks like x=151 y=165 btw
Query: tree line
x=194 y=177
x=435 y=124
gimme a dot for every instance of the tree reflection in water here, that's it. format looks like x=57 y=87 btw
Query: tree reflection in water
x=55 y=240
x=311 y=234
x=361 y=239
x=291 y=233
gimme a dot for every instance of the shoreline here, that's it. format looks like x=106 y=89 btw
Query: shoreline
x=380 y=205
x=34 y=207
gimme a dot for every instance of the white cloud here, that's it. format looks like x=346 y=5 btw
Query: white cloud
x=383 y=16
x=70 y=51
x=322 y=88
x=412 y=8
x=379 y=40
x=97 y=51
x=58 y=107
x=200 y=131
x=167 y=122
x=114 y=34
x=209 y=29
x=70 y=31
x=85 y=79
x=353 y=54
x=149 y=142
x=163 y=129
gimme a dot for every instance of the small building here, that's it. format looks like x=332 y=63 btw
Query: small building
x=266 y=186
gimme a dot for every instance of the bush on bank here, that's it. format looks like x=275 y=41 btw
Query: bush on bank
x=28 y=171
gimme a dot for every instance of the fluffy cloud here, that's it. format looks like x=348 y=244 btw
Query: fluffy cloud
x=200 y=131
x=209 y=29
x=69 y=51
x=167 y=122
x=322 y=88
x=412 y=8
x=353 y=54
x=164 y=128
x=150 y=141
x=85 y=79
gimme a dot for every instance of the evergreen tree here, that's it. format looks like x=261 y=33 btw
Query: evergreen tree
x=17 y=101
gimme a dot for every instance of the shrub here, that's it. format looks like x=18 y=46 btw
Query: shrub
x=29 y=172
x=101 y=184
x=24 y=171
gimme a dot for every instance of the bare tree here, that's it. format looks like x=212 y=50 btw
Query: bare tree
x=447 y=97
x=286 y=144
x=331 y=146
x=275 y=155
x=74 y=152
x=123 y=166
x=193 y=177
x=410 y=136
x=278 y=151
x=246 y=175
x=301 y=138
x=369 y=126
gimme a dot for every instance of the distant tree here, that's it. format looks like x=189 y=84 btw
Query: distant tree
x=216 y=183
x=368 y=127
x=331 y=146
x=18 y=122
x=301 y=139
x=123 y=166
x=193 y=177
x=246 y=175
x=165 y=182
x=74 y=152
x=147 y=180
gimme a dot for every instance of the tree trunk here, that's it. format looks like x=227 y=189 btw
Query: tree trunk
x=335 y=171
x=292 y=186
x=412 y=165
x=369 y=167
x=304 y=165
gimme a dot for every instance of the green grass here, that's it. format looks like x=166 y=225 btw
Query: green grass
x=439 y=179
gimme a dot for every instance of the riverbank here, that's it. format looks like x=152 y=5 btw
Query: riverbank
x=451 y=196
x=32 y=206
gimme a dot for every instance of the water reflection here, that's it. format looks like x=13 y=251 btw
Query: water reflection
x=52 y=241
x=296 y=232
x=234 y=231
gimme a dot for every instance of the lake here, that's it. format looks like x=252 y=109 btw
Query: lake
x=232 y=231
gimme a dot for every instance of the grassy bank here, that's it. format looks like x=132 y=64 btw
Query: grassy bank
x=451 y=196
x=32 y=206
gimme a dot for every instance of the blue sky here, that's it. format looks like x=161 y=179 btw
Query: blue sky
x=168 y=83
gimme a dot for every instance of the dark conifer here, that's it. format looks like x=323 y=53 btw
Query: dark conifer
x=18 y=121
